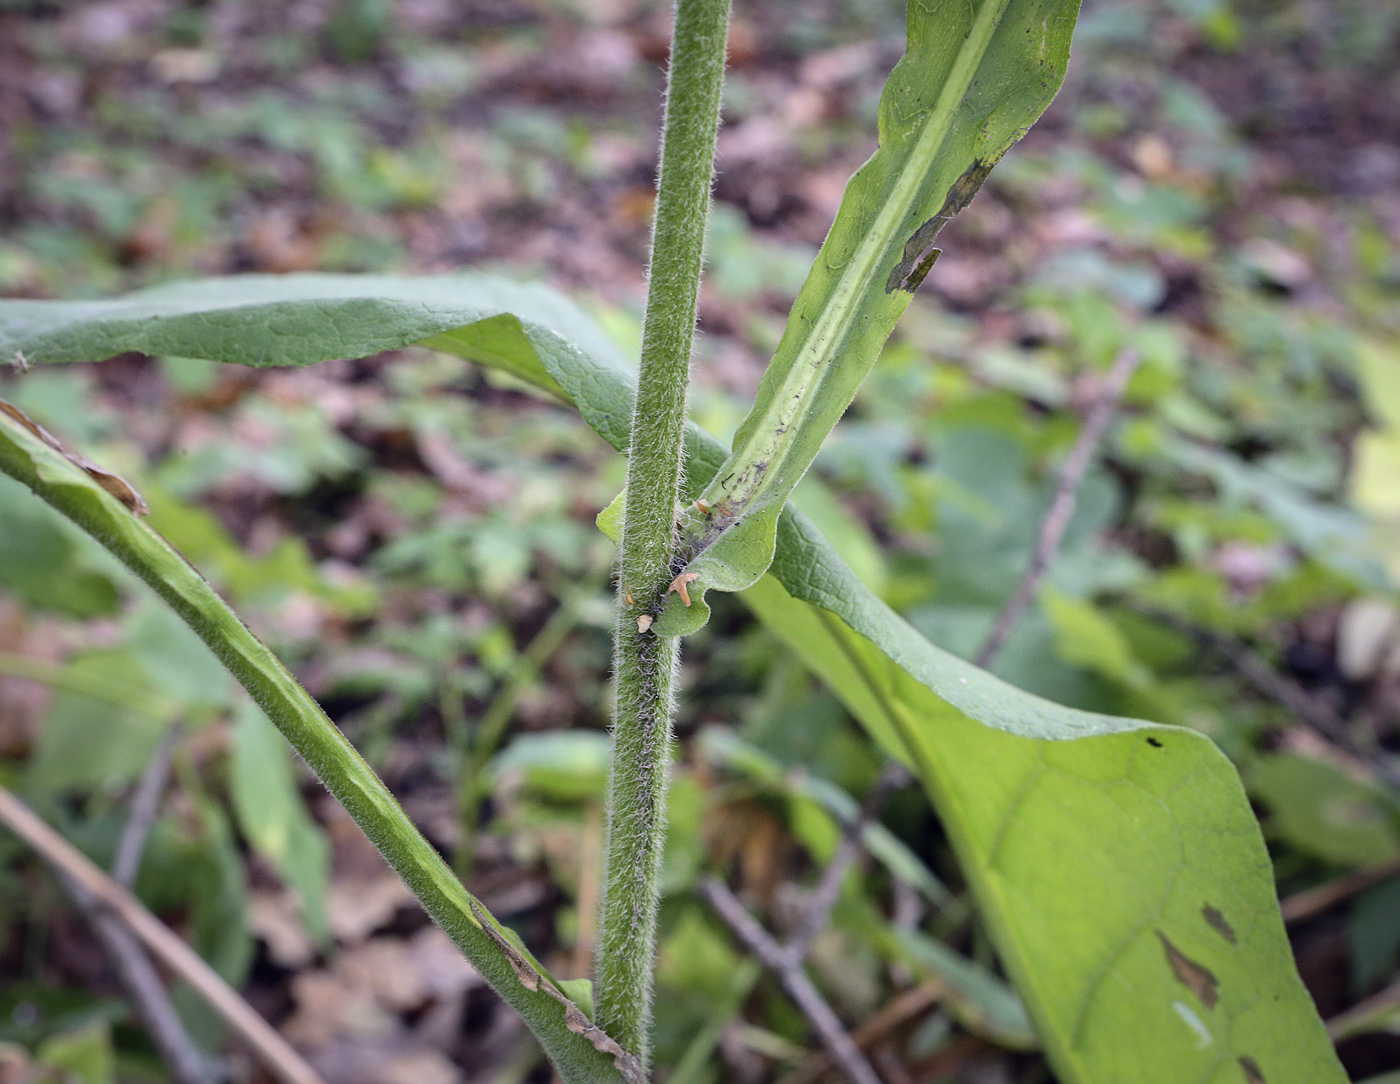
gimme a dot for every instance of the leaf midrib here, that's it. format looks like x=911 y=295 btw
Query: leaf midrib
x=791 y=399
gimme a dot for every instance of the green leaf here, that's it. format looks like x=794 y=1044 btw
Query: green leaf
x=1087 y=638
x=1122 y=874
x=265 y=320
x=1117 y=864
x=84 y=1056
x=1321 y=810
x=974 y=79
x=275 y=819
x=981 y=1001
x=1334 y=535
x=564 y=765
x=220 y=895
x=90 y=743
x=40 y=563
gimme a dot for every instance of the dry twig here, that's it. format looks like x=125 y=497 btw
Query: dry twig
x=902 y=1007
x=1267 y=681
x=786 y=960
x=138 y=975
x=1314 y=901
x=110 y=897
x=133 y=967
x=1346 y=1024
x=824 y=896
x=838 y=1042
x=1061 y=510
x=145 y=805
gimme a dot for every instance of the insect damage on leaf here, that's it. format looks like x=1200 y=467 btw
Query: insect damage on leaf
x=1200 y=980
x=1216 y=921
x=919 y=253
x=1252 y=1073
x=574 y=1018
x=114 y=484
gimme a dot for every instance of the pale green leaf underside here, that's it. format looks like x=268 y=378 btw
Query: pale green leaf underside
x=974 y=78
x=1113 y=869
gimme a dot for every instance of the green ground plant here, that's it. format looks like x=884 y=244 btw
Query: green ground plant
x=1116 y=863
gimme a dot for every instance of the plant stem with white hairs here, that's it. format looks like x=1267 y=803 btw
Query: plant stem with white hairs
x=646 y=663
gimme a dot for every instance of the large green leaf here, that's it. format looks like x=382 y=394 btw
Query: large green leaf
x=1117 y=863
x=974 y=79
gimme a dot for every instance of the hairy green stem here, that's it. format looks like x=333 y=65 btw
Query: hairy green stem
x=645 y=664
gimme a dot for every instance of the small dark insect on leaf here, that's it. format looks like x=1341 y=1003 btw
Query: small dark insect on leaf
x=1252 y=1073
x=114 y=484
x=1154 y=743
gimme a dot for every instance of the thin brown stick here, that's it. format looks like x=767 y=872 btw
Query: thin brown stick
x=1266 y=680
x=1314 y=901
x=1341 y=1026
x=818 y=911
x=590 y=866
x=137 y=974
x=133 y=967
x=903 y=1006
x=1061 y=510
x=276 y=1053
x=834 y=1037
x=145 y=804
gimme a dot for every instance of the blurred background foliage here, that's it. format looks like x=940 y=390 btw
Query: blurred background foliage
x=1218 y=186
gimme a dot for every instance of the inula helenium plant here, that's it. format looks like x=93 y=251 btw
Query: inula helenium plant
x=1115 y=863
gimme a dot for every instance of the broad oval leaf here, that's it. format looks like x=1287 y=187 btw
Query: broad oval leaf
x=974 y=79
x=1117 y=863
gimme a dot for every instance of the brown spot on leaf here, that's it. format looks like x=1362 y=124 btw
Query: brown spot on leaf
x=1252 y=1073
x=919 y=253
x=1195 y=977
x=1216 y=921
